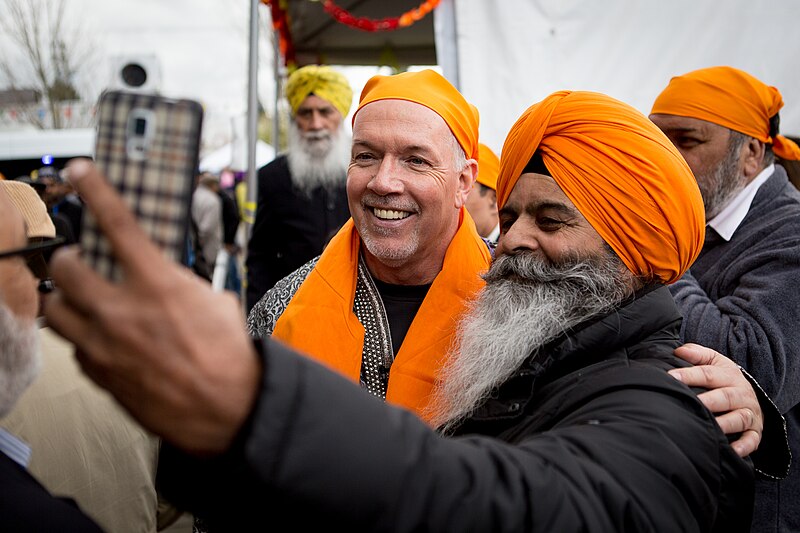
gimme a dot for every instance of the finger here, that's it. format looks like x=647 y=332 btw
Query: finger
x=79 y=285
x=738 y=421
x=707 y=376
x=132 y=248
x=66 y=320
x=747 y=443
x=700 y=355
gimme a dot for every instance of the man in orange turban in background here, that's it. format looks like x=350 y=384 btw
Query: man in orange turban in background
x=740 y=296
x=482 y=199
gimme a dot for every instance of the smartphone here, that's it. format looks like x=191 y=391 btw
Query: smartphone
x=147 y=146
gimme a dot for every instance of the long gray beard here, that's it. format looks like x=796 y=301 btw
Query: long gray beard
x=719 y=187
x=318 y=159
x=526 y=303
x=20 y=357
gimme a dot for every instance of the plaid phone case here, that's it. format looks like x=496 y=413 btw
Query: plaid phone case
x=157 y=182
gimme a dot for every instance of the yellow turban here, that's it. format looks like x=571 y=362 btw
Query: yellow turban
x=620 y=171
x=321 y=81
x=432 y=90
x=728 y=97
x=488 y=166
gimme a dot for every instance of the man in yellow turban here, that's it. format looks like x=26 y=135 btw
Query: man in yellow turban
x=571 y=422
x=482 y=199
x=740 y=296
x=302 y=201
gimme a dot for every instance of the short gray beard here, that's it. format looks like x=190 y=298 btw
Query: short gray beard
x=525 y=304
x=20 y=357
x=318 y=159
x=721 y=185
x=371 y=236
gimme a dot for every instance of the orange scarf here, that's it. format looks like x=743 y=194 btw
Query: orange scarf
x=320 y=321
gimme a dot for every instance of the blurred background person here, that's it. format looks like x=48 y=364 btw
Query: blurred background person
x=482 y=199
x=302 y=201
x=206 y=224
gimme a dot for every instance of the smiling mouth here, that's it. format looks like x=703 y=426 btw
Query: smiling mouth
x=390 y=214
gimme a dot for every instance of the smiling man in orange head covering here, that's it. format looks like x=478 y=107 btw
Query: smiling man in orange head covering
x=380 y=304
x=740 y=296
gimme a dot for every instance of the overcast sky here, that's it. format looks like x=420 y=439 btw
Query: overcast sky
x=199 y=46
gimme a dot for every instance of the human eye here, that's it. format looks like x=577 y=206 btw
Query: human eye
x=549 y=224
x=363 y=157
x=687 y=141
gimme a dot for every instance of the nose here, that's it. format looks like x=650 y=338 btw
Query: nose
x=519 y=237
x=317 y=122
x=385 y=180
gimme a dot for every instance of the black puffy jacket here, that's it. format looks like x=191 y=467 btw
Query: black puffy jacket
x=594 y=435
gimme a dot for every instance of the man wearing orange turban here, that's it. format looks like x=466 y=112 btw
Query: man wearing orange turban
x=380 y=304
x=482 y=199
x=740 y=296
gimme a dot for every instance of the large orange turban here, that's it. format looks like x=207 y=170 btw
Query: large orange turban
x=321 y=81
x=488 y=166
x=432 y=90
x=728 y=97
x=622 y=174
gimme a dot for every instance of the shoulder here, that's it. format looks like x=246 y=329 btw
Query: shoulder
x=265 y=314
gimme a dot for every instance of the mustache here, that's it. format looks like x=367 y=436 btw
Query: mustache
x=370 y=199
x=316 y=135
x=531 y=267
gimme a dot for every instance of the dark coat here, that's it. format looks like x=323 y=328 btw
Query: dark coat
x=290 y=228
x=25 y=505
x=741 y=298
x=594 y=435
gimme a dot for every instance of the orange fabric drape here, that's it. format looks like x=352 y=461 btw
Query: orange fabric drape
x=432 y=90
x=320 y=320
x=728 y=97
x=620 y=171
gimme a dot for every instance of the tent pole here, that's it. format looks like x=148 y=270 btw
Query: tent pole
x=252 y=120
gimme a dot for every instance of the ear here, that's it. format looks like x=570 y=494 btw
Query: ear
x=752 y=157
x=466 y=180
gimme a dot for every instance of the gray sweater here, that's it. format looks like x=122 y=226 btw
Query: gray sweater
x=742 y=298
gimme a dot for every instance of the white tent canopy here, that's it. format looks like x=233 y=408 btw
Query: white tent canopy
x=506 y=55
x=229 y=156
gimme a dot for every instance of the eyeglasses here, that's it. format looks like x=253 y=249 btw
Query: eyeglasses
x=30 y=249
x=31 y=253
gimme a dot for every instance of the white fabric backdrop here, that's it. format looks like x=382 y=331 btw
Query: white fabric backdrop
x=513 y=53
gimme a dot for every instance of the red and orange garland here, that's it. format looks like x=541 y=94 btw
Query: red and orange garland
x=280 y=22
x=388 y=24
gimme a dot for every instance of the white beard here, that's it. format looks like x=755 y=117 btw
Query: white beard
x=318 y=159
x=525 y=304
x=20 y=357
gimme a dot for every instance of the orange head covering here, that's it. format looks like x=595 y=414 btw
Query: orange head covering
x=728 y=97
x=488 y=166
x=432 y=90
x=620 y=171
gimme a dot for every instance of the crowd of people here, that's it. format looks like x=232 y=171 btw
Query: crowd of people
x=592 y=332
